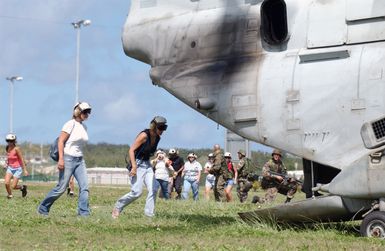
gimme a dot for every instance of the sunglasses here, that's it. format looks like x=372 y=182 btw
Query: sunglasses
x=88 y=112
x=162 y=127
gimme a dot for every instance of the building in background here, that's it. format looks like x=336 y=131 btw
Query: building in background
x=108 y=176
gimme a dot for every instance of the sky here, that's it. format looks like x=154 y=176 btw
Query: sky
x=38 y=43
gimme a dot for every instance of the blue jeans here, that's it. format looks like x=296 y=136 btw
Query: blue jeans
x=144 y=176
x=72 y=166
x=187 y=183
x=163 y=184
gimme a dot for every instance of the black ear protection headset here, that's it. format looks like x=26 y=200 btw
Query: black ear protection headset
x=160 y=125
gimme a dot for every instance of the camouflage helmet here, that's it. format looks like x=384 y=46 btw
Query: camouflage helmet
x=242 y=152
x=277 y=152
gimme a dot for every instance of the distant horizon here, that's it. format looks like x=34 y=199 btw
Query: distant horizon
x=253 y=146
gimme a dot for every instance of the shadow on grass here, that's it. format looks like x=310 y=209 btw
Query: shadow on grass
x=202 y=219
x=180 y=223
x=346 y=228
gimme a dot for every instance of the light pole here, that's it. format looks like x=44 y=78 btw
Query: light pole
x=11 y=82
x=77 y=25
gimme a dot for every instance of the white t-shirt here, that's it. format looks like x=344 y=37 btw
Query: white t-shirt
x=161 y=171
x=77 y=139
x=191 y=170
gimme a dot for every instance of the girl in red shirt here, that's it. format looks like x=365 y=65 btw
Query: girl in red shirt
x=15 y=167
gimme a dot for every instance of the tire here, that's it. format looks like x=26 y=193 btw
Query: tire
x=373 y=225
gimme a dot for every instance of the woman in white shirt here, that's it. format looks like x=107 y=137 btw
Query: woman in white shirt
x=163 y=171
x=191 y=174
x=71 y=141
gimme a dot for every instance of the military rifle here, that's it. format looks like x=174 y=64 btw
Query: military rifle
x=285 y=177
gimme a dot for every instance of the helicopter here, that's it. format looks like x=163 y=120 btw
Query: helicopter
x=303 y=76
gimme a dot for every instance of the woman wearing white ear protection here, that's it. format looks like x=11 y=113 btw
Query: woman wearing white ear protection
x=73 y=137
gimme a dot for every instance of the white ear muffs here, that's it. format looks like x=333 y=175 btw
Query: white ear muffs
x=77 y=105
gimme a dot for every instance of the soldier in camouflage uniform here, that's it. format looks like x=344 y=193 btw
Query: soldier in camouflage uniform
x=217 y=170
x=247 y=173
x=274 y=184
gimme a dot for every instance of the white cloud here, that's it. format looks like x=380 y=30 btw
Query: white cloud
x=124 y=108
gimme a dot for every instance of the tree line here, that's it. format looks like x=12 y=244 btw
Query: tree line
x=113 y=155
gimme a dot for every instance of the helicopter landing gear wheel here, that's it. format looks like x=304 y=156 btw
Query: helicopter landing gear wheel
x=373 y=225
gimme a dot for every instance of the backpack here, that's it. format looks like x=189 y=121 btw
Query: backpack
x=54 y=150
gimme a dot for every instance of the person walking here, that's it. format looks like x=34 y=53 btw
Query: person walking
x=72 y=139
x=71 y=187
x=210 y=178
x=163 y=171
x=177 y=163
x=191 y=176
x=141 y=172
x=247 y=174
x=15 y=167
x=217 y=169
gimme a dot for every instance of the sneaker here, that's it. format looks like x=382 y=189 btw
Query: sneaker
x=68 y=191
x=115 y=213
x=42 y=213
x=23 y=190
x=40 y=210
x=9 y=196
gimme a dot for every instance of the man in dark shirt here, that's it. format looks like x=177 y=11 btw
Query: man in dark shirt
x=178 y=165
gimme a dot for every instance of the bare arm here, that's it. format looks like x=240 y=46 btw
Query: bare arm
x=23 y=165
x=141 y=139
x=199 y=176
x=181 y=169
x=235 y=174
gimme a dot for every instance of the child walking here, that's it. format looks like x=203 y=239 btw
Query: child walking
x=15 y=167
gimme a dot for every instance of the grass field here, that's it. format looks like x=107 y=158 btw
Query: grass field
x=178 y=225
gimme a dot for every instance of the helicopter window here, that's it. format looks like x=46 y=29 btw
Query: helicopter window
x=274 y=21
